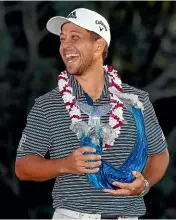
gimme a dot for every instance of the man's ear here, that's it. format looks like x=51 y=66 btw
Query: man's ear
x=100 y=45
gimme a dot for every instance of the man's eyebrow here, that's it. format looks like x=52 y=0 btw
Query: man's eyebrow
x=77 y=32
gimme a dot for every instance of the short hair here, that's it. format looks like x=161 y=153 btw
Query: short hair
x=96 y=37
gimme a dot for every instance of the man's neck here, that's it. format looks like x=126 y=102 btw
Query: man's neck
x=92 y=82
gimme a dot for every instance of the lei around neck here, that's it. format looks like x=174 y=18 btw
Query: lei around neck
x=116 y=113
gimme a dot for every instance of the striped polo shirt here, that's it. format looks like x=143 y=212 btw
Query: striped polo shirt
x=47 y=129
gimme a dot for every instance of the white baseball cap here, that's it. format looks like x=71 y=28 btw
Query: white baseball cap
x=84 y=18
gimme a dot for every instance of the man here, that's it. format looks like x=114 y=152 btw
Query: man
x=85 y=38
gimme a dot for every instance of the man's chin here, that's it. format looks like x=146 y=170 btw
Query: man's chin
x=72 y=71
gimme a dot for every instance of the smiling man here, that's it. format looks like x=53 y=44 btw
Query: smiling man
x=105 y=143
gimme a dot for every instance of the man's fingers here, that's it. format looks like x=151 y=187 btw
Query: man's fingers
x=95 y=170
x=123 y=185
x=90 y=157
x=138 y=175
x=130 y=186
x=86 y=157
x=92 y=164
x=126 y=189
x=86 y=149
x=120 y=192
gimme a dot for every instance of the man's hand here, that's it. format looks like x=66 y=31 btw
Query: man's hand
x=129 y=189
x=77 y=162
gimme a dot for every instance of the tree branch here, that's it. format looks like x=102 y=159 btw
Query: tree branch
x=156 y=88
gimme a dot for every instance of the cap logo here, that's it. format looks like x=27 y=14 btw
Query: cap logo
x=72 y=15
x=103 y=26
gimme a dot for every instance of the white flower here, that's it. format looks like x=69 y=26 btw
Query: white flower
x=67 y=97
x=105 y=68
x=74 y=120
x=75 y=111
x=116 y=98
x=119 y=112
x=112 y=122
x=118 y=81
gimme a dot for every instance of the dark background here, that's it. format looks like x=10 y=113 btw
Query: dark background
x=143 y=50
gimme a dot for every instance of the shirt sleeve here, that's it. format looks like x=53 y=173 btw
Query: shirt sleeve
x=36 y=135
x=156 y=139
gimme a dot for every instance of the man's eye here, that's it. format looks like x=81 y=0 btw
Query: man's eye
x=75 y=37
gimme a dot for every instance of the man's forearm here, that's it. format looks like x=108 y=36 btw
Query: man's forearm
x=36 y=168
x=156 y=167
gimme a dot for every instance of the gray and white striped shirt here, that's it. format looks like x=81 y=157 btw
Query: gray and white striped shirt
x=47 y=129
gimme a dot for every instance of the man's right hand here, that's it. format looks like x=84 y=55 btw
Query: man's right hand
x=77 y=161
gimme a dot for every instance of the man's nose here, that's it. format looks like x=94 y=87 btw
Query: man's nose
x=66 y=42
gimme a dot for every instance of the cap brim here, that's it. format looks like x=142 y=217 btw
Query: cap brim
x=54 y=24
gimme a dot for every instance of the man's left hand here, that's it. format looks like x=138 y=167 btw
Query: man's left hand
x=129 y=189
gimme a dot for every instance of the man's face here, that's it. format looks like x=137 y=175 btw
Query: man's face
x=76 y=49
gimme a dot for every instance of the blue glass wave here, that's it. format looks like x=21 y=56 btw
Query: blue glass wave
x=135 y=162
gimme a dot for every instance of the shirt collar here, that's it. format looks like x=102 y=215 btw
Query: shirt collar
x=78 y=90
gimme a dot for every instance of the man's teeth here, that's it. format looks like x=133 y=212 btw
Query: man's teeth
x=71 y=55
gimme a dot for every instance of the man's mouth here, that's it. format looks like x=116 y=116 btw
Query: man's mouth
x=71 y=57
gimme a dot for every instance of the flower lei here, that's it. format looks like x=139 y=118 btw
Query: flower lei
x=116 y=113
